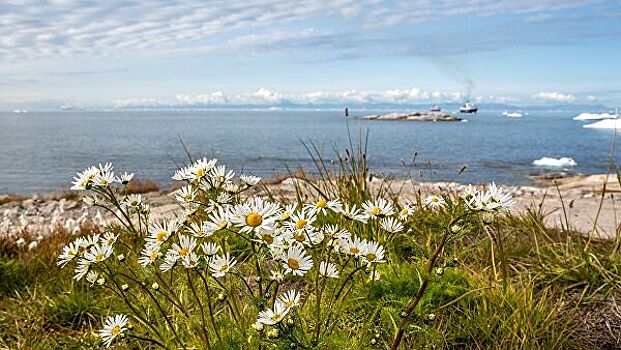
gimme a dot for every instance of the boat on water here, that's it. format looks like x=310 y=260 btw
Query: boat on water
x=468 y=107
x=435 y=108
x=20 y=111
x=512 y=114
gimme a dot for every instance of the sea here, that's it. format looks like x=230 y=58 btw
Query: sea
x=41 y=151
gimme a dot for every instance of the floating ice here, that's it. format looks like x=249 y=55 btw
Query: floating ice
x=513 y=114
x=563 y=162
x=594 y=116
x=605 y=124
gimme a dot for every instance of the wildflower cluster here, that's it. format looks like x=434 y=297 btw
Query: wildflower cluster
x=227 y=249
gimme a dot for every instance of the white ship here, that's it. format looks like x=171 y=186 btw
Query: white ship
x=468 y=107
x=435 y=108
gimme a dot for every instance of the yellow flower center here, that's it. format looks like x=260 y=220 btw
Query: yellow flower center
x=200 y=233
x=354 y=250
x=152 y=256
x=376 y=210
x=435 y=199
x=254 y=219
x=299 y=236
x=290 y=303
x=161 y=236
x=224 y=267
x=222 y=224
x=300 y=224
x=275 y=317
x=371 y=257
x=221 y=178
x=321 y=203
x=200 y=172
x=293 y=264
x=285 y=215
x=404 y=212
x=99 y=257
x=183 y=251
x=116 y=330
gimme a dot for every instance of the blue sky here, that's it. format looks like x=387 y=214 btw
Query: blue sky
x=104 y=54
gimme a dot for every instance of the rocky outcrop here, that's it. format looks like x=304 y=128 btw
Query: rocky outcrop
x=416 y=116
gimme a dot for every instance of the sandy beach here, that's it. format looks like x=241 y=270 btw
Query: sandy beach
x=577 y=202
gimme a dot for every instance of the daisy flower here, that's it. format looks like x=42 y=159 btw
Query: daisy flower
x=378 y=208
x=391 y=225
x=202 y=230
x=190 y=260
x=373 y=252
x=501 y=199
x=290 y=298
x=250 y=180
x=273 y=316
x=219 y=219
x=255 y=215
x=69 y=252
x=125 y=178
x=201 y=168
x=113 y=327
x=183 y=174
x=302 y=220
x=221 y=264
x=353 y=213
x=328 y=269
x=296 y=261
x=185 y=194
x=322 y=204
x=353 y=246
x=98 y=253
x=104 y=179
x=133 y=200
x=406 y=212
x=468 y=193
x=160 y=232
x=170 y=259
x=288 y=211
x=109 y=238
x=149 y=254
x=220 y=176
x=434 y=201
x=186 y=245
x=210 y=249
x=84 y=180
x=82 y=268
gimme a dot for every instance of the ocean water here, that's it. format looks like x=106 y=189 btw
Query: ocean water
x=40 y=151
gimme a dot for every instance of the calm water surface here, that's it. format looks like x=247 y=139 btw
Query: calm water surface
x=42 y=150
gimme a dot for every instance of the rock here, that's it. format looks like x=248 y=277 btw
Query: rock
x=415 y=116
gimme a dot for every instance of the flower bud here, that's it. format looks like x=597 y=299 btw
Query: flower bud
x=373 y=341
x=257 y=326
x=439 y=271
x=155 y=286
x=101 y=281
x=455 y=228
x=431 y=317
x=221 y=296
x=124 y=287
x=120 y=257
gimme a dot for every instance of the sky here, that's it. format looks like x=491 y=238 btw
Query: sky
x=185 y=53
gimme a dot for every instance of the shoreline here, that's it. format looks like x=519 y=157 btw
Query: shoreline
x=575 y=202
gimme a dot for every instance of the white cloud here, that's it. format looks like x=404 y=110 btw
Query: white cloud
x=553 y=97
x=266 y=97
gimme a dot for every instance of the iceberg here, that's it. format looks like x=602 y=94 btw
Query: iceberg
x=605 y=124
x=564 y=162
x=594 y=116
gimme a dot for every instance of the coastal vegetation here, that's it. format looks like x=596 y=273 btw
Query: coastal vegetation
x=340 y=265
